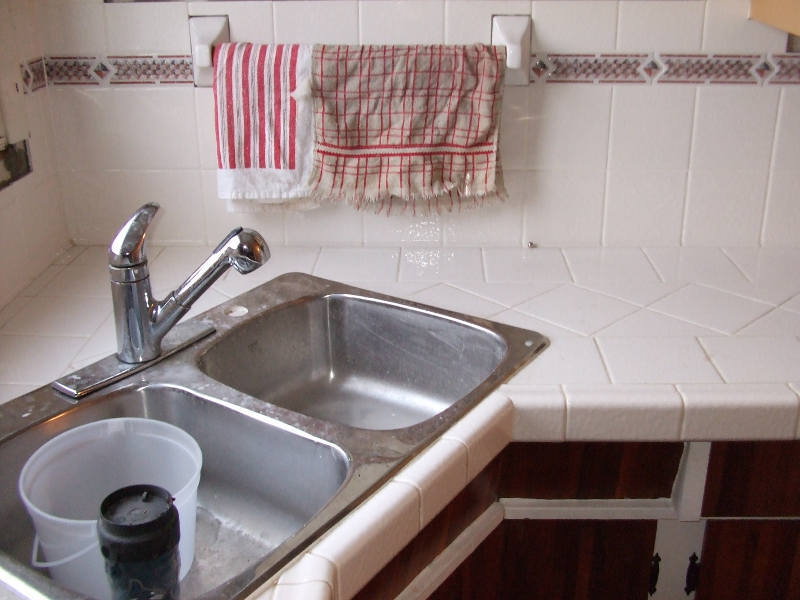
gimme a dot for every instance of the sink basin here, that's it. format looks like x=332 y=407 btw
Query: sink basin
x=357 y=361
x=305 y=396
x=258 y=487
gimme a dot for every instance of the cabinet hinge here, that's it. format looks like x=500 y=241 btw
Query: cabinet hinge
x=692 y=574
x=654 y=569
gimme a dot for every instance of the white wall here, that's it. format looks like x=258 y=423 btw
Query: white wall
x=586 y=165
x=32 y=224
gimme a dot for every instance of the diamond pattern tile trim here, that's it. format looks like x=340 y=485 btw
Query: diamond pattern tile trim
x=649 y=69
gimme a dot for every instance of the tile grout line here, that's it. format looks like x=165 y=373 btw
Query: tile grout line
x=687 y=186
x=770 y=170
x=735 y=266
x=604 y=360
x=710 y=360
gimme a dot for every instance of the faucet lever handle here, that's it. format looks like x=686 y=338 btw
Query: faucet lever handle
x=127 y=248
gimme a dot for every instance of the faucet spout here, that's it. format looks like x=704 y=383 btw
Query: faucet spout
x=142 y=321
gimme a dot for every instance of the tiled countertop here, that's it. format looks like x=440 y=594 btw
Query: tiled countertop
x=654 y=343
x=647 y=344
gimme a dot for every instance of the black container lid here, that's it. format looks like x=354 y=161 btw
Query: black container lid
x=138 y=522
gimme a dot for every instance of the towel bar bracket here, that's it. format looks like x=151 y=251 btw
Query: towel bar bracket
x=205 y=33
x=514 y=32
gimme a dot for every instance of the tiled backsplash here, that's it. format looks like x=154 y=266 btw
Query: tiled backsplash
x=596 y=160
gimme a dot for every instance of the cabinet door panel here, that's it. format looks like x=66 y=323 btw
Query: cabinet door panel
x=752 y=559
x=564 y=560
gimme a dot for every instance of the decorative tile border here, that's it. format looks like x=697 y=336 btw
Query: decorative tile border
x=693 y=69
x=107 y=70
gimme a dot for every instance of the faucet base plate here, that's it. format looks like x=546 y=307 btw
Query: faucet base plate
x=110 y=369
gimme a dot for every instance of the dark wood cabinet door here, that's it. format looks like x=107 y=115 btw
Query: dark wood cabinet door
x=564 y=560
x=750 y=559
x=753 y=479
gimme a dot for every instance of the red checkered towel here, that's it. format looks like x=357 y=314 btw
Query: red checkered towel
x=407 y=126
x=263 y=124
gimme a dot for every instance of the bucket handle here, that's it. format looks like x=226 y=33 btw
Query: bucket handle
x=61 y=561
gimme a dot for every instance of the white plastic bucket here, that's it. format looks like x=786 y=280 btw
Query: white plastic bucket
x=63 y=483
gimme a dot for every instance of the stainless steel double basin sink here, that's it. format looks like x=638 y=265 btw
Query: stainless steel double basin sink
x=308 y=396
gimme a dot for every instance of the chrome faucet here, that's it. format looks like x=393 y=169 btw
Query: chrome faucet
x=142 y=321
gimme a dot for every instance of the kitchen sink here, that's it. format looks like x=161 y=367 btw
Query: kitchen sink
x=258 y=487
x=305 y=397
x=357 y=361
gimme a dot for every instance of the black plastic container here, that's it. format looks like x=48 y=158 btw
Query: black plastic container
x=139 y=532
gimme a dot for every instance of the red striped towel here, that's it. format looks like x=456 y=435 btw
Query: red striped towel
x=263 y=124
x=407 y=126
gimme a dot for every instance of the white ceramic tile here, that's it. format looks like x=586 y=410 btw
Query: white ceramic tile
x=724 y=208
x=95 y=257
x=734 y=127
x=651 y=126
x=741 y=411
x=265 y=593
x=401 y=22
x=328 y=225
x=10 y=310
x=589 y=265
x=507 y=294
x=711 y=308
x=576 y=309
x=439 y=473
x=640 y=294
x=565 y=208
x=370 y=536
x=470 y=21
x=41 y=280
x=147 y=28
x=25 y=19
x=448 y=297
x=569 y=124
x=421 y=230
x=657 y=360
x=776 y=323
x=706 y=266
x=782 y=211
x=441 y=264
x=660 y=25
x=307 y=569
x=72 y=27
x=310 y=590
x=524 y=321
x=358 y=264
x=14 y=275
x=303 y=22
x=644 y=207
x=21 y=357
x=100 y=202
x=539 y=413
x=100 y=344
x=579 y=26
x=485 y=431
x=787 y=152
x=282 y=260
x=647 y=323
x=204 y=119
x=248 y=21
x=766 y=266
x=514 y=141
x=43 y=222
x=525 y=265
x=566 y=360
x=628 y=412
x=728 y=29
x=142 y=128
x=9 y=391
x=72 y=317
x=496 y=224
x=793 y=304
x=78 y=281
x=745 y=359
